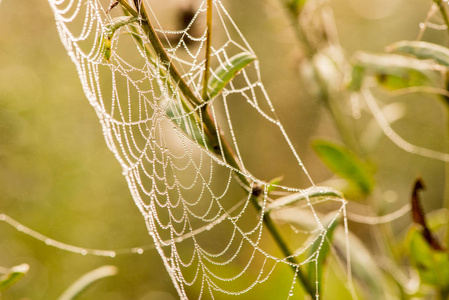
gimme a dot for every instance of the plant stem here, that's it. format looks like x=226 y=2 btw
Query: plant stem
x=208 y=48
x=211 y=128
x=446 y=167
x=445 y=99
x=271 y=226
x=443 y=13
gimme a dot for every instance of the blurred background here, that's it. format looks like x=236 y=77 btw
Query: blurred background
x=58 y=177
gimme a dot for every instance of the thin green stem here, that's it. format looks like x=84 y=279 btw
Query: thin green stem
x=219 y=144
x=446 y=170
x=445 y=99
x=443 y=13
x=159 y=49
x=271 y=226
x=208 y=49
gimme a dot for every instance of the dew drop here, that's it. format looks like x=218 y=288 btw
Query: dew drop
x=2 y=217
x=112 y=254
x=84 y=252
x=290 y=294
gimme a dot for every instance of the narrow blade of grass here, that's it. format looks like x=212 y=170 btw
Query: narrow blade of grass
x=85 y=281
x=15 y=274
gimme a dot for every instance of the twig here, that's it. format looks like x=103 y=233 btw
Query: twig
x=208 y=48
x=443 y=13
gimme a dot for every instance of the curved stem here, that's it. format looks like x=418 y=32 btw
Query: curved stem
x=443 y=12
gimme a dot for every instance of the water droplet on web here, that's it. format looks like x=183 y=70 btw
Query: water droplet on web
x=2 y=217
x=151 y=95
x=19 y=227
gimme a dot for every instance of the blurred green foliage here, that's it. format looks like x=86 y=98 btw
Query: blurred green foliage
x=58 y=177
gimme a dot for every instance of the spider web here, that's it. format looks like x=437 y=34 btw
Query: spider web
x=196 y=203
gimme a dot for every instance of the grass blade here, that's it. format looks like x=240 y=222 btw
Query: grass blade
x=15 y=274
x=85 y=281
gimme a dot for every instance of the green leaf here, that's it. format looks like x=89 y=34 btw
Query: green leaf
x=15 y=274
x=321 y=248
x=223 y=74
x=85 y=281
x=106 y=37
x=422 y=50
x=295 y=6
x=427 y=255
x=272 y=185
x=364 y=267
x=349 y=249
x=119 y=22
x=394 y=71
x=346 y=164
x=187 y=123
x=409 y=78
x=432 y=264
x=316 y=192
x=358 y=73
x=419 y=216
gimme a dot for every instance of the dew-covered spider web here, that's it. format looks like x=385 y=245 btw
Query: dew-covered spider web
x=183 y=151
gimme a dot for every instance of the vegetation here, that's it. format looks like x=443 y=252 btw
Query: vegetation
x=365 y=165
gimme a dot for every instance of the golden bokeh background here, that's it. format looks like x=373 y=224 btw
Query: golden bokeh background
x=58 y=177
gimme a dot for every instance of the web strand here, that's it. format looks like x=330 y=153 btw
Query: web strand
x=203 y=223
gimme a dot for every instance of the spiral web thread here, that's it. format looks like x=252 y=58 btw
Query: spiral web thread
x=210 y=237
